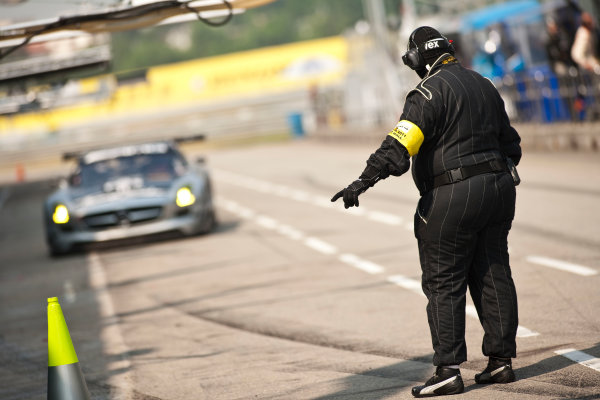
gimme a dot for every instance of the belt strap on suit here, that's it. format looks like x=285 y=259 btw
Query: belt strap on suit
x=460 y=174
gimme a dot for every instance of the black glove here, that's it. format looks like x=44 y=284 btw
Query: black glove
x=352 y=192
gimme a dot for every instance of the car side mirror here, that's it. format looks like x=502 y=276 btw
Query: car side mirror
x=54 y=183
x=73 y=180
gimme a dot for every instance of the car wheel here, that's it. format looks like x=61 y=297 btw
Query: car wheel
x=54 y=250
x=211 y=222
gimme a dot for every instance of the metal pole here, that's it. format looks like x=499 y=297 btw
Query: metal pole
x=375 y=12
x=386 y=77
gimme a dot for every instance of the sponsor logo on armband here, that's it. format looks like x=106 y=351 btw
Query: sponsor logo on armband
x=409 y=135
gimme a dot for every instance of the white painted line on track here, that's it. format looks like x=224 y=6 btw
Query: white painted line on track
x=110 y=335
x=264 y=186
x=523 y=332
x=364 y=265
x=290 y=232
x=358 y=211
x=562 y=265
x=282 y=191
x=320 y=246
x=266 y=222
x=415 y=286
x=376 y=216
x=351 y=259
x=69 y=292
x=384 y=218
x=248 y=214
x=407 y=283
x=322 y=201
x=581 y=358
x=304 y=197
x=235 y=208
x=300 y=196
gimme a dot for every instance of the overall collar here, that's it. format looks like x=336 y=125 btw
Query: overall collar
x=444 y=59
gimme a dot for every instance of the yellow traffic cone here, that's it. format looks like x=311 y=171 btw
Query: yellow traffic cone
x=65 y=380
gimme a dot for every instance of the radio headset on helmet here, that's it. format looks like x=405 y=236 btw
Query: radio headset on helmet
x=425 y=45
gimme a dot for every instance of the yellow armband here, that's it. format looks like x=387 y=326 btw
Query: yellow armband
x=409 y=135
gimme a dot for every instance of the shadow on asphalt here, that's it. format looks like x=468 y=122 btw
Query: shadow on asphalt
x=553 y=364
x=192 y=269
x=218 y=294
x=400 y=378
x=406 y=373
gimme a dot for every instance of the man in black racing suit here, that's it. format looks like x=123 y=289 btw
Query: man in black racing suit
x=455 y=128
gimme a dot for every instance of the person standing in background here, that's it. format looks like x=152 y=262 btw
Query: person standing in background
x=585 y=46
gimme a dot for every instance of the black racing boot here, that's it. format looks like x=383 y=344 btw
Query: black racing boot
x=445 y=381
x=498 y=370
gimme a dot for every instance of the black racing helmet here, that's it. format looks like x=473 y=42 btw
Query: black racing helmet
x=425 y=46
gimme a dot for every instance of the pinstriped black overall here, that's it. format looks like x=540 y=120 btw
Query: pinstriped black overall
x=462 y=227
x=462 y=232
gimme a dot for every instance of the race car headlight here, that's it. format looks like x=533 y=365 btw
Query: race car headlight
x=61 y=214
x=185 y=197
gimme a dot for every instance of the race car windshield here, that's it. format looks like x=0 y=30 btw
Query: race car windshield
x=135 y=171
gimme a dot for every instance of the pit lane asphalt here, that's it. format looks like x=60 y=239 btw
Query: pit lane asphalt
x=251 y=312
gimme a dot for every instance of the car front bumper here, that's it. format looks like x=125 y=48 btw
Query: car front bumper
x=185 y=224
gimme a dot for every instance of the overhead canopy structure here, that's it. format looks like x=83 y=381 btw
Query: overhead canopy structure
x=125 y=17
x=521 y=10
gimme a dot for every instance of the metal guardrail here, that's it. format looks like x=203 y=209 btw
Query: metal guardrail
x=38 y=65
x=232 y=118
x=534 y=103
x=547 y=98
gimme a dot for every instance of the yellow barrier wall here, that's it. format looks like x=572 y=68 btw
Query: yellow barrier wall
x=268 y=70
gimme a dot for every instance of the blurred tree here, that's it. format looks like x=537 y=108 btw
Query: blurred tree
x=281 y=22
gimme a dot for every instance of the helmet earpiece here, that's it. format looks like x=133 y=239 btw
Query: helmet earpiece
x=413 y=58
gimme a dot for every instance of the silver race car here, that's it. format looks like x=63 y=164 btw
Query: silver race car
x=128 y=191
